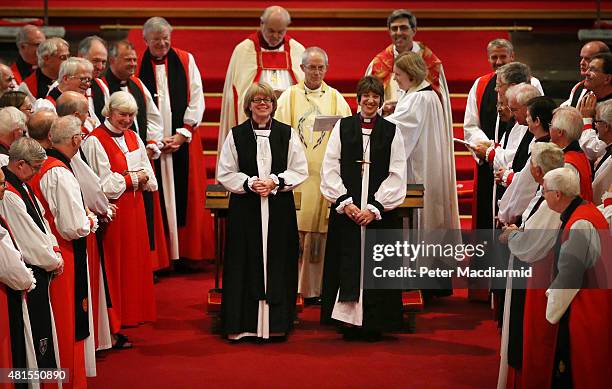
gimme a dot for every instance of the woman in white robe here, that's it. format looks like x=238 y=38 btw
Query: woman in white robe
x=429 y=149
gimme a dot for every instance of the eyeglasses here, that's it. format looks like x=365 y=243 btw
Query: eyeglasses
x=36 y=168
x=258 y=100
x=63 y=57
x=84 y=80
x=595 y=122
x=400 y=28
x=314 y=68
x=2 y=184
x=82 y=135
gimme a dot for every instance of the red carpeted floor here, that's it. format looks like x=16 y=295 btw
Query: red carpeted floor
x=456 y=345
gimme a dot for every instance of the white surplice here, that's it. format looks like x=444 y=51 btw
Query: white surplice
x=229 y=175
x=429 y=152
x=114 y=184
x=62 y=192
x=390 y=194
x=15 y=275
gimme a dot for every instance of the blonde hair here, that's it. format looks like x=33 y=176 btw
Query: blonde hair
x=413 y=65
x=258 y=89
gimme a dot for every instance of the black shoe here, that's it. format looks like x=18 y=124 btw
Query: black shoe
x=350 y=333
x=312 y=301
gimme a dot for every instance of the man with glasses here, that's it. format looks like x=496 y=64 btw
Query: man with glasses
x=173 y=78
x=75 y=75
x=12 y=127
x=60 y=195
x=7 y=79
x=29 y=37
x=298 y=107
x=578 y=299
x=24 y=213
x=565 y=130
x=602 y=176
x=51 y=53
x=278 y=66
x=93 y=48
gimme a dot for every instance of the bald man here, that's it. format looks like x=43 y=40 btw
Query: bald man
x=275 y=67
x=587 y=52
x=29 y=37
x=39 y=125
x=7 y=79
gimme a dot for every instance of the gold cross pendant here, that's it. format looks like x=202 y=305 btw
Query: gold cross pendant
x=363 y=162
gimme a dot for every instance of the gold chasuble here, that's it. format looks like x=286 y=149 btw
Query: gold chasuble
x=298 y=107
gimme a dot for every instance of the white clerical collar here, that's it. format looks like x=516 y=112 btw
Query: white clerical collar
x=112 y=128
x=424 y=84
x=318 y=90
x=415 y=49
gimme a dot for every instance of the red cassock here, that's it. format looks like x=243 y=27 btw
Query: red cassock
x=126 y=249
x=589 y=324
x=6 y=359
x=62 y=292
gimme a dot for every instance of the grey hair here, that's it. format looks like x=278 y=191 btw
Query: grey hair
x=605 y=111
x=313 y=50
x=547 y=156
x=71 y=66
x=113 y=50
x=49 y=47
x=514 y=73
x=522 y=93
x=568 y=120
x=64 y=128
x=563 y=179
x=12 y=118
x=122 y=101
x=85 y=44
x=26 y=149
x=402 y=14
x=22 y=33
x=155 y=24
x=505 y=43
x=273 y=9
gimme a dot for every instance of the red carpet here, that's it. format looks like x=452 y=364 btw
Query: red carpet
x=456 y=345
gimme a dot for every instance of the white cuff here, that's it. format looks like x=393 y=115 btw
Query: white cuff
x=274 y=178
x=135 y=185
x=375 y=211
x=251 y=181
x=94 y=222
x=587 y=120
x=605 y=196
x=185 y=132
x=155 y=148
x=340 y=208
x=505 y=177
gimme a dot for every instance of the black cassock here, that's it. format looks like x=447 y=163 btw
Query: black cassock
x=243 y=272
x=382 y=308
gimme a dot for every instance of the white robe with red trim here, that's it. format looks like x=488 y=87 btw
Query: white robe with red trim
x=240 y=75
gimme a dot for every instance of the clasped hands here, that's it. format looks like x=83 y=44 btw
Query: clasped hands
x=359 y=216
x=172 y=143
x=263 y=187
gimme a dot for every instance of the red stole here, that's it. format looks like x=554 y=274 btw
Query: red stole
x=382 y=66
x=273 y=60
x=481 y=86
x=579 y=161
x=16 y=73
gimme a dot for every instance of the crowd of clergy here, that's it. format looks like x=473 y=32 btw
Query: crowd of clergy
x=102 y=183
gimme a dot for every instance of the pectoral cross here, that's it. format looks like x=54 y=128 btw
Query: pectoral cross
x=363 y=162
